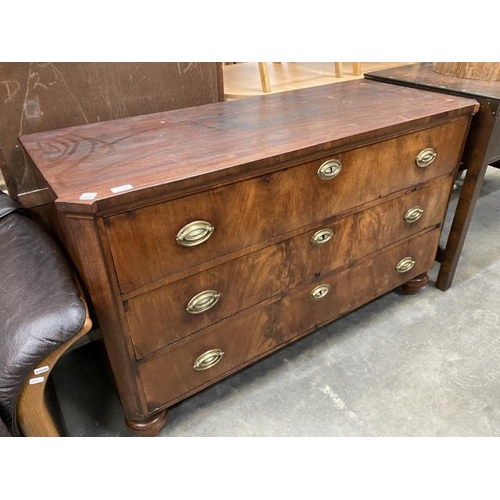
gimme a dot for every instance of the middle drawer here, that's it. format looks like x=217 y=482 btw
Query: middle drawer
x=167 y=314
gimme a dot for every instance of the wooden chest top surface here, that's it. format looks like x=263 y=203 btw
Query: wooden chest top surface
x=163 y=154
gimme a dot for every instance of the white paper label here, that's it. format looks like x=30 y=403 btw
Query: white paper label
x=88 y=196
x=119 y=189
x=42 y=369
x=36 y=380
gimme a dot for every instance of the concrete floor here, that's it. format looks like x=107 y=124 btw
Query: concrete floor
x=424 y=365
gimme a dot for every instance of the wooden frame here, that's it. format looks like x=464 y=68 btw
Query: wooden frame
x=35 y=417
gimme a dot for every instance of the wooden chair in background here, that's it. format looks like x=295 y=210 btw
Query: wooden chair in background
x=339 y=73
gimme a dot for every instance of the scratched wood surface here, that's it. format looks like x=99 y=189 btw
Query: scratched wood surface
x=224 y=139
x=39 y=96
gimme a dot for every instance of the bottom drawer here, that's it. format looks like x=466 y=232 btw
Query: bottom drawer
x=201 y=359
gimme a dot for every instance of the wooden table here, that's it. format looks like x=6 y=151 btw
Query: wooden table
x=482 y=148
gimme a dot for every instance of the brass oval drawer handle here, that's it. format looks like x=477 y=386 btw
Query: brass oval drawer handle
x=208 y=359
x=321 y=237
x=194 y=233
x=203 y=301
x=413 y=214
x=404 y=265
x=425 y=157
x=329 y=169
x=319 y=292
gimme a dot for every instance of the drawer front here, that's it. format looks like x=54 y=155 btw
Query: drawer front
x=145 y=242
x=162 y=316
x=366 y=232
x=229 y=345
x=353 y=287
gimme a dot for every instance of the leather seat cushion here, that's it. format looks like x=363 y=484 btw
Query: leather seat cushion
x=40 y=306
x=4 y=432
x=7 y=205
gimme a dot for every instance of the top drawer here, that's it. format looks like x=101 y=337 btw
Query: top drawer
x=145 y=242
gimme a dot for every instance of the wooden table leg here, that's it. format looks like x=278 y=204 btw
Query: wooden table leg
x=476 y=161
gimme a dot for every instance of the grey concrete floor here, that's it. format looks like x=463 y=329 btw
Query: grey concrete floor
x=424 y=365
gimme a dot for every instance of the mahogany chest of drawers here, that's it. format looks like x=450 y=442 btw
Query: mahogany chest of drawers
x=209 y=237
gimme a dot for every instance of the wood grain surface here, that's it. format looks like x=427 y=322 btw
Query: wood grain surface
x=219 y=140
x=245 y=213
x=422 y=75
x=258 y=331
x=159 y=318
x=469 y=70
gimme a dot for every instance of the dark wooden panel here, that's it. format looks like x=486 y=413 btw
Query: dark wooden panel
x=213 y=142
x=41 y=96
x=493 y=152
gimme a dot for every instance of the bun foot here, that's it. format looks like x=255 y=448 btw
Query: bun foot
x=413 y=286
x=149 y=427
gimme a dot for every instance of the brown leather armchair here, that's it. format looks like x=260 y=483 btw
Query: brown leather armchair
x=42 y=313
